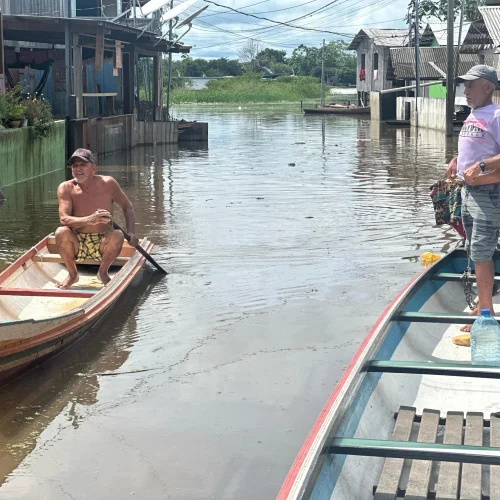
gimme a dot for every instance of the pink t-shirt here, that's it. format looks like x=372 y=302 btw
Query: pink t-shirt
x=480 y=137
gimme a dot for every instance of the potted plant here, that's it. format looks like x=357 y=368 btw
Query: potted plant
x=39 y=116
x=15 y=116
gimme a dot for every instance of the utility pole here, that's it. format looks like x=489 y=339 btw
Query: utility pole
x=170 y=39
x=459 y=41
x=417 y=62
x=323 y=75
x=135 y=12
x=450 y=96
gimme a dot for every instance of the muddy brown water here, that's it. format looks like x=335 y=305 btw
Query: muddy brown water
x=285 y=237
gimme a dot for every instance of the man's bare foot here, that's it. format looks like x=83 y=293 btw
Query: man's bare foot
x=70 y=280
x=104 y=278
x=474 y=312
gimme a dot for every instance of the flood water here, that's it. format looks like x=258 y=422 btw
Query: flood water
x=284 y=237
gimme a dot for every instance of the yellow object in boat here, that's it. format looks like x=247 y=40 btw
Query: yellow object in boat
x=428 y=258
x=463 y=340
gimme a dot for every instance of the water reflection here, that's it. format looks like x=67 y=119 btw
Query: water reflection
x=66 y=384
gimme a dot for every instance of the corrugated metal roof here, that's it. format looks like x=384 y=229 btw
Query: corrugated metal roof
x=477 y=37
x=440 y=32
x=403 y=61
x=491 y=16
x=382 y=38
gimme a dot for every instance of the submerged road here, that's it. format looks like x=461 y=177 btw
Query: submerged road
x=284 y=238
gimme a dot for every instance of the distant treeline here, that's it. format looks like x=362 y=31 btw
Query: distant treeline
x=340 y=65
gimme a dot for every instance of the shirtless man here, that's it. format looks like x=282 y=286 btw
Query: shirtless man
x=86 y=211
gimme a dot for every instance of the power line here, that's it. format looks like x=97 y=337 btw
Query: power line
x=283 y=23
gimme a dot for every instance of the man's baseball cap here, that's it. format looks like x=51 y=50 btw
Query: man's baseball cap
x=479 y=71
x=82 y=154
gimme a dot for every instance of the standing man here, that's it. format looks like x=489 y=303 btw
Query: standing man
x=86 y=210
x=478 y=164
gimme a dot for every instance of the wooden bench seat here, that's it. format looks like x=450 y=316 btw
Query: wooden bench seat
x=56 y=258
x=127 y=250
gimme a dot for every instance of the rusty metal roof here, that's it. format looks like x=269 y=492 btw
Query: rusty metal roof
x=403 y=61
x=382 y=38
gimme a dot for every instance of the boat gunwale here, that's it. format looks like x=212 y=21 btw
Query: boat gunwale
x=98 y=304
x=307 y=464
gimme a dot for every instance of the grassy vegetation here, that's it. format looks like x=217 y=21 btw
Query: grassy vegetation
x=252 y=88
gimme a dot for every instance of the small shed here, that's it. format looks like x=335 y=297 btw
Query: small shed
x=374 y=67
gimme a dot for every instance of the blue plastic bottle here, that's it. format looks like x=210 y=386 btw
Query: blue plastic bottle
x=485 y=340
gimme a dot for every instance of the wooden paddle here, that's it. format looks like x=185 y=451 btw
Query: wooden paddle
x=141 y=250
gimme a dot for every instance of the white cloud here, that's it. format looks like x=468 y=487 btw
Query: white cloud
x=220 y=33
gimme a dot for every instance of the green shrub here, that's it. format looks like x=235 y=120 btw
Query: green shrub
x=252 y=88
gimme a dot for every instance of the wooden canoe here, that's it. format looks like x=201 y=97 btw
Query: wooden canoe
x=411 y=417
x=37 y=320
x=330 y=110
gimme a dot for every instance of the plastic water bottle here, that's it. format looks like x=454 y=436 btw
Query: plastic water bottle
x=485 y=340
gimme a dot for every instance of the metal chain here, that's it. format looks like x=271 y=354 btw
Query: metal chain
x=467 y=282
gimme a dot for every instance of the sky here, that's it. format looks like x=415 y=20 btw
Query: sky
x=219 y=32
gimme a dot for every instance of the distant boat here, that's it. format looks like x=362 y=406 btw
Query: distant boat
x=337 y=109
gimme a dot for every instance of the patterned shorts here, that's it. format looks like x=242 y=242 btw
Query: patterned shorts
x=89 y=246
x=481 y=219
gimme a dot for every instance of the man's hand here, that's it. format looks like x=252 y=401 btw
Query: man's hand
x=472 y=174
x=134 y=240
x=100 y=216
x=451 y=171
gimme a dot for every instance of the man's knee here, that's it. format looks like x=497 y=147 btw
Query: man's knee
x=113 y=242
x=63 y=233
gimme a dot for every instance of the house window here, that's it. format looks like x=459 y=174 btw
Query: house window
x=88 y=8
x=375 y=61
x=363 y=61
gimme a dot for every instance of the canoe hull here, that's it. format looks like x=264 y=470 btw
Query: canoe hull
x=416 y=330
x=25 y=343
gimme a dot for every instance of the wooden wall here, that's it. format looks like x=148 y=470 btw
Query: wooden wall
x=119 y=133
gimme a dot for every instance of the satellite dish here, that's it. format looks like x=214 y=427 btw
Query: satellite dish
x=191 y=17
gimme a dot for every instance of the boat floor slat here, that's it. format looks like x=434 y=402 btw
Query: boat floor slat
x=470 y=488
x=388 y=486
x=420 y=474
x=449 y=472
x=452 y=470
x=494 y=469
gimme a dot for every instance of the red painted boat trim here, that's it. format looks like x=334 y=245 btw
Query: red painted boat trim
x=43 y=292
x=304 y=450
x=93 y=312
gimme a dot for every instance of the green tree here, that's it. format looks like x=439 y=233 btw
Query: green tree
x=439 y=9
x=340 y=64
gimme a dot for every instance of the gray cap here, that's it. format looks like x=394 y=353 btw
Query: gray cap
x=479 y=71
